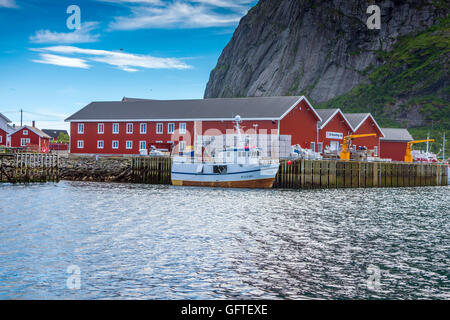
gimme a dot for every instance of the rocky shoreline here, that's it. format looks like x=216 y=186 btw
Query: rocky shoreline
x=100 y=169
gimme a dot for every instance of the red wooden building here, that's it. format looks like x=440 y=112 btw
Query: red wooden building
x=125 y=127
x=393 y=144
x=30 y=137
x=332 y=129
x=364 y=123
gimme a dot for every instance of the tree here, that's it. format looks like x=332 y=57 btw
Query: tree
x=63 y=138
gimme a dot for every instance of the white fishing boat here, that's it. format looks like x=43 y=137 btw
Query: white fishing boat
x=238 y=167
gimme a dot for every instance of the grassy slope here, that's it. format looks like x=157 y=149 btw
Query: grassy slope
x=415 y=74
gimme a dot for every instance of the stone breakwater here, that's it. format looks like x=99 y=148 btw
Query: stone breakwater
x=101 y=169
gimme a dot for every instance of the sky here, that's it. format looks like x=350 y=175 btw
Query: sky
x=52 y=63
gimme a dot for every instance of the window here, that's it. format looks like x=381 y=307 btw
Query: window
x=100 y=144
x=182 y=146
x=159 y=128
x=101 y=128
x=170 y=128
x=129 y=128
x=80 y=144
x=320 y=146
x=115 y=128
x=115 y=144
x=81 y=128
x=24 y=142
x=143 y=128
x=313 y=146
x=182 y=128
x=129 y=145
x=142 y=145
x=1 y=139
x=25 y=132
x=375 y=151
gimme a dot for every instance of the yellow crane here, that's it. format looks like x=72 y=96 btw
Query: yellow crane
x=408 y=156
x=345 y=153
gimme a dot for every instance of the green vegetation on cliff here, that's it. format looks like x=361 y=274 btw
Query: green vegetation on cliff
x=411 y=86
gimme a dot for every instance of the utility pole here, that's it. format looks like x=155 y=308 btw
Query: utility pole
x=21 y=117
x=443 y=148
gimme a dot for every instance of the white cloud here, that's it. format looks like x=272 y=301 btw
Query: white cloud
x=62 y=61
x=8 y=4
x=123 y=61
x=181 y=14
x=82 y=35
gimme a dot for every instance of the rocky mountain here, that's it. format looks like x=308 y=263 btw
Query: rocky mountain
x=325 y=50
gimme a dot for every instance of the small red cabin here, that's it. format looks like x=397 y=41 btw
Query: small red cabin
x=32 y=138
x=393 y=144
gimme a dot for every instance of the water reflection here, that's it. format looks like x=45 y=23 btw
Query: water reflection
x=163 y=242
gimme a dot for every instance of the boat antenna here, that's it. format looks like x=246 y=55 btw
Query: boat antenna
x=237 y=120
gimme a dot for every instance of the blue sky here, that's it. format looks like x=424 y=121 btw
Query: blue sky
x=138 y=48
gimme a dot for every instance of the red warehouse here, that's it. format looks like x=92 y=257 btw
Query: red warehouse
x=127 y=126
x=32 y=138
x=332 y=129
x=393 y=144
x=364 y=123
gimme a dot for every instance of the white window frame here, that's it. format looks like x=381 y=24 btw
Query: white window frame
x=145 y=145
x=114 y=126
x=24 y=142
x=80 y=128
x=313 y=146
x=80 y=144
x=25 y=132
x=130 y=125
x=143 y=125
x=375 y=151
x=102 y=126
x=102 y=144
x=182 y=127
x=181 y=146
x=320 y=147
x=159 y=125
x=115 y=141
x=1 y=139
x=131 y=144
x=171 y=124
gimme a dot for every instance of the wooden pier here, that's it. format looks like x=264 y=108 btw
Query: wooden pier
x=152 y=170
x=29 y=167
x=307 y=174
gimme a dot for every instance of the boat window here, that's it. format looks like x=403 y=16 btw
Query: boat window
x=220 y=169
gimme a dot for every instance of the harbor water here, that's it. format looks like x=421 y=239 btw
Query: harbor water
x=125 y=241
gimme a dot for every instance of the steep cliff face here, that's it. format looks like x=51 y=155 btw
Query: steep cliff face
x=321 y=49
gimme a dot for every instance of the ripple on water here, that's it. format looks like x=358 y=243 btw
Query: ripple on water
x=163 y=242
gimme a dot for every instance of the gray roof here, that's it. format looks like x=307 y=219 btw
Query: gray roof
x=54 y=133
x=325 y=114
x=39 y=132
x=223 y=108
x=355 y=118
x=394 y=134
x=5 y=118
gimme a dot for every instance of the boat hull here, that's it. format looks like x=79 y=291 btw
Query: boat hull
x=258 y=183
x=232 y=176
